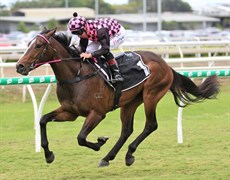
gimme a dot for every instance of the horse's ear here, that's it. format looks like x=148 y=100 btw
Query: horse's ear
x=44 y=28
x=52 y=31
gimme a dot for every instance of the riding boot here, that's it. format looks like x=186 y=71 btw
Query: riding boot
x=116 y=73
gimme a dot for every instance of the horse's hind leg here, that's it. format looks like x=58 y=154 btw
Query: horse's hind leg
x=127 y=116
x=150 y=126
x=57 y=115
x=150 y=97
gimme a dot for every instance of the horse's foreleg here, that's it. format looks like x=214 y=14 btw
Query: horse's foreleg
x=57 y=115
x=127 y=116
x=92 y=120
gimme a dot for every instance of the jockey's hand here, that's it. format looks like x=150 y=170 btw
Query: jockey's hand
x=85 y=55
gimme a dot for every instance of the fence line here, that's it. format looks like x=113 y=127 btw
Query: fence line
x=52 y=79
x=162 y=48
x=210 y=60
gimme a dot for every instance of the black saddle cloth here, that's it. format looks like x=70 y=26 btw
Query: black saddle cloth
x=132 y=69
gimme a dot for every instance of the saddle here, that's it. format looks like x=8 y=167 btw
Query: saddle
x=132 y=69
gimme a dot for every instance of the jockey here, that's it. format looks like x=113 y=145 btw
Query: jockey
x=103 y=34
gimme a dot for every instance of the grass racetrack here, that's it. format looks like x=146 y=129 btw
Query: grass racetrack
x=203 y=155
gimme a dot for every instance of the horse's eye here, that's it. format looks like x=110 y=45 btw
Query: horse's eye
x=38 y=46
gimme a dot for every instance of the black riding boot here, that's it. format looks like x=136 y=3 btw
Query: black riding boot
x=116 y=73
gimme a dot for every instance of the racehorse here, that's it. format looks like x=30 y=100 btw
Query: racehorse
x=78 y=86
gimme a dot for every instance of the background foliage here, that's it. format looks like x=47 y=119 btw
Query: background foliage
x=133 y=6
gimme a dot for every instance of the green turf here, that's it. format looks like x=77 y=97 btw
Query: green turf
x=203 y=155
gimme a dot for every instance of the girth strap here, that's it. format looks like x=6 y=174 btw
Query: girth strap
x=77 y=79
x=118 y=87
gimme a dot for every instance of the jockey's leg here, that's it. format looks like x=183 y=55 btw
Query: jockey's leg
x=92 y=46
x=115 y=42
x=115 y=70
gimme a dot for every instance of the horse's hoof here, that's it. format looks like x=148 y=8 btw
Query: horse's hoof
x=103 y=163
x=51 y=157
x=129 y=161
x=102 y=140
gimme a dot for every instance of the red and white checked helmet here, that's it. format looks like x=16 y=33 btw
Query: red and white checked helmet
x=76 y=23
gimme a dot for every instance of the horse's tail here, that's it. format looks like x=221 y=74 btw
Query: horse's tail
x=186 y=91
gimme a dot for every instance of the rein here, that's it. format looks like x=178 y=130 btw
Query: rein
x=49 y=62
x=76 y=79
x=56 y=61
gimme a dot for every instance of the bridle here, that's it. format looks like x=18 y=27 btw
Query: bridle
x=37 y=63
x=78 y=78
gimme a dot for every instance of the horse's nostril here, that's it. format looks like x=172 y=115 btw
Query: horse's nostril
x=19 y=68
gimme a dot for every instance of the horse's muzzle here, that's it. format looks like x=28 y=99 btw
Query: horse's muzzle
x=21 y=69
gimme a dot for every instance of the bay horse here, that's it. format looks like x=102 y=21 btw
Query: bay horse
x=79 y=98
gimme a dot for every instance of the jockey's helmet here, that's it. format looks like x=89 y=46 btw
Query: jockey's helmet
x=76 y=23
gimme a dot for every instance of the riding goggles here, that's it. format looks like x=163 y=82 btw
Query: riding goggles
x=80 y=32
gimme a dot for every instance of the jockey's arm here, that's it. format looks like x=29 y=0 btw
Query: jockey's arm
x=104 y=40
x=83 y=44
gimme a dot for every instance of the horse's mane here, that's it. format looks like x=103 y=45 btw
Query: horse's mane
x=63 y=39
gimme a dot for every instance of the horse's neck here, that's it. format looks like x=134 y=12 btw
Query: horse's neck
x=62 y=70
x=67 y=69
